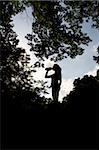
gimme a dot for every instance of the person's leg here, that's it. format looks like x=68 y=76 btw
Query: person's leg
x=55 y=93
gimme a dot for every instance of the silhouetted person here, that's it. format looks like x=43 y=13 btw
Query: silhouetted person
x=55 y=81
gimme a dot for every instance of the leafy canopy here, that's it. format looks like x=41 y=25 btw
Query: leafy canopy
x=57 y=29
x=16 y=73
x=96 y=58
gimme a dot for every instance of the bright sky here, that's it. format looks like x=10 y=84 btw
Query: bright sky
x=71 y=68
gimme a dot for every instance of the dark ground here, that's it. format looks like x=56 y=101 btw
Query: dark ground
x=51 y=128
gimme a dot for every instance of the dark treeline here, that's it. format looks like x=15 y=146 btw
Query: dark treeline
x=72 y=123
x=30 y=120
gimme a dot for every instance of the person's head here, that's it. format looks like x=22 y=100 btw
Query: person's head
x=56 y=67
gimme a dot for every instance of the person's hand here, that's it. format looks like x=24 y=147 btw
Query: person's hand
x=48 y=68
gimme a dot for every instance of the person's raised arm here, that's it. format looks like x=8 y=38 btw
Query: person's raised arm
x=46 y=75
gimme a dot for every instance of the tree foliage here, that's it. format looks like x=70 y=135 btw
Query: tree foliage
x=10 y=53
x=17 y=80
x=96 y=58
x=84 y=95
x=57 y=29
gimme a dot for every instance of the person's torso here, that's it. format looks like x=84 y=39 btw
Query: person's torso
x=55 y=80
